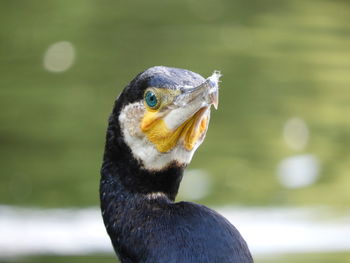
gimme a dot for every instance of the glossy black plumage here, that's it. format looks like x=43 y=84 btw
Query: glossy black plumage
x=146 y=227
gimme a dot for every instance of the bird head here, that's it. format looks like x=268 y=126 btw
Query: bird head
x=163 y=115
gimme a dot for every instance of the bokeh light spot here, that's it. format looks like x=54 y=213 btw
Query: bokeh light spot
x=298 y=171
x=59 y=57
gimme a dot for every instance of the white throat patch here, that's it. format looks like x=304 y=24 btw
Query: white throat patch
x=145 y=151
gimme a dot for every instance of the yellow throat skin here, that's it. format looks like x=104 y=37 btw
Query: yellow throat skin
x=165 y=139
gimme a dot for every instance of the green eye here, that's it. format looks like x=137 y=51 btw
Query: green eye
x=151 y=99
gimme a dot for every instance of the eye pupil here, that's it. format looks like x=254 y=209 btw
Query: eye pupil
x=151 y=99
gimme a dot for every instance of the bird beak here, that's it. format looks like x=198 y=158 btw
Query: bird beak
x=206 y=94
x=194 y=99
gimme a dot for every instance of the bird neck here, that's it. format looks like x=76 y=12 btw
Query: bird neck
x=128 y=174
x=127 y=178
x=130 y=195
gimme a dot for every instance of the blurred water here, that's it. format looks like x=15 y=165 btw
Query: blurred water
x=284 y=109
x=268 y=231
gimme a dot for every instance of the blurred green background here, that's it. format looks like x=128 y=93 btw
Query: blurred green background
x=63 y=63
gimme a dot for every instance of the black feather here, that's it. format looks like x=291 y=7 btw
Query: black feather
x=144 y=229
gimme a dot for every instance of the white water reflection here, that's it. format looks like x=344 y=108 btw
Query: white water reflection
x=26 y=231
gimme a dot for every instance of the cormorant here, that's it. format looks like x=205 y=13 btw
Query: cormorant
x=157 y=123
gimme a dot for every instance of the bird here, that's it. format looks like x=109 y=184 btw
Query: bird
x=157 y=123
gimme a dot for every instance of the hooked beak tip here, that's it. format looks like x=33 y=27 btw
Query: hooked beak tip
x=214 y=96
x=216 y=105
x=214 y=99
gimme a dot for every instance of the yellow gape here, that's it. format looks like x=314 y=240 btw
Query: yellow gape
x=164 y=139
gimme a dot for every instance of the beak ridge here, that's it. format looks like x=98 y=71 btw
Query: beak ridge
x=208 y=91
